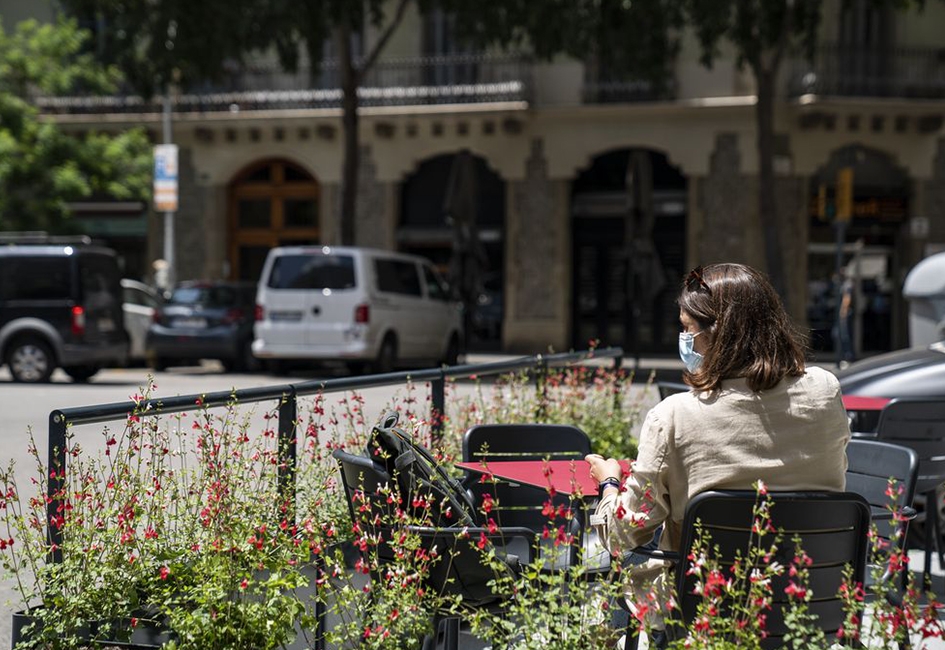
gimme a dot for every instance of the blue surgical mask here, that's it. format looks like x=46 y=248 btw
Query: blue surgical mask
x=690 y=357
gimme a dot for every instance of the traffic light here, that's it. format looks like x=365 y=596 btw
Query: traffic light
x=844 y=199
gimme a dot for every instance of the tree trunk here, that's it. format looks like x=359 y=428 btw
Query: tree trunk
x=767 y=202
x=349 y=120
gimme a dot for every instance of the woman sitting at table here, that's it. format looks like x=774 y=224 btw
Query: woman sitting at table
x=755 y=412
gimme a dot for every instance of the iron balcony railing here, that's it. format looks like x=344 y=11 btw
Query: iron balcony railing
x=461 y=79
x=844 y=71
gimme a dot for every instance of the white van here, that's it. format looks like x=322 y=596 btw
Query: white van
x=372 y=309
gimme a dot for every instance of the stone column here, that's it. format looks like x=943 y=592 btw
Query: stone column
x=538 y=276
x=728 y=200
x=729 y=227
x=374 y=226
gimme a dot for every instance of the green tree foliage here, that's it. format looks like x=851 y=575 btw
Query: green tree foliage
x=41 y=167
x=157 y=42
x=641 y=38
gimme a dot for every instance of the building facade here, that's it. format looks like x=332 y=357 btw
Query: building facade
x=584 y=200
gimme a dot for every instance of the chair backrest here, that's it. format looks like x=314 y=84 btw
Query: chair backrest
x=919 y=424
x=667 y=388
x=516 y=504
x=832 y=527
x=525 y=442
x=870 y=465
x=463 y=570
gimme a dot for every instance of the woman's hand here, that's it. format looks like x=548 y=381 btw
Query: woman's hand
x=602 y=468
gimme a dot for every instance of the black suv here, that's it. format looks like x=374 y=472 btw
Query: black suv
x=60 y=306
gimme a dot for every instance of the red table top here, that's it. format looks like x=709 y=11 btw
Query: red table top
x=860 y=403
x=566 y=476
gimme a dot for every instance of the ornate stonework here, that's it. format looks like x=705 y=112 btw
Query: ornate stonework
x=534 y=249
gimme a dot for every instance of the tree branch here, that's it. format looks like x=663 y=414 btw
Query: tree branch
x=371 y=58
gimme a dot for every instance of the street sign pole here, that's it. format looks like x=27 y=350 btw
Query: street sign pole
x=168 y=214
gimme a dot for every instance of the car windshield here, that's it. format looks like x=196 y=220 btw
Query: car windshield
x=312 y=272
x=206 y=296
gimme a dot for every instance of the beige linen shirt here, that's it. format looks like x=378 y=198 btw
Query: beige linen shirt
x=793 y=437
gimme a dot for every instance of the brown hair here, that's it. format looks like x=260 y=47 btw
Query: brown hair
x=749 y=333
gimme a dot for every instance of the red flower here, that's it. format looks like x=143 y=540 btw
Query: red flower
x=165 y=572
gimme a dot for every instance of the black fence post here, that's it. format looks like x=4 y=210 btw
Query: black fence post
x=437 y=408
x=288 y=451
x=541 y=387
x=56 y=461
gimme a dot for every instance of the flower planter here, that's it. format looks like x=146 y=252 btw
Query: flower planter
x=144 y=635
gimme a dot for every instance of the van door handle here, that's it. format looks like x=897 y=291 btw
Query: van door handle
x=317 y=311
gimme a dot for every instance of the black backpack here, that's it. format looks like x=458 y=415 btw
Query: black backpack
x=418 y=474
x=448 y=505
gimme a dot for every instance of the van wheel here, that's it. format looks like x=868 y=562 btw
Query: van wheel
x=81 y=374
x=386 y=356
x=31 y=361
x=452 y=352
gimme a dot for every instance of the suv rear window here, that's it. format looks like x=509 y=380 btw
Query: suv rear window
x=312 y=272
x=36 y=278
x=212 y=296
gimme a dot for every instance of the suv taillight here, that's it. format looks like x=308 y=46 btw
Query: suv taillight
x=233 y=315
x=78 y=320
x=362 y=314
x=260 y=313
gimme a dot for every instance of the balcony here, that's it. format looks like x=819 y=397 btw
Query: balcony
x=466 y=79
x=901 y=72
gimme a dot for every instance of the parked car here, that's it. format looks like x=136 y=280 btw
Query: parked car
x=60 y=306
x=204 y=320
x=371 y=309
x=913 y=372
x=139 y=301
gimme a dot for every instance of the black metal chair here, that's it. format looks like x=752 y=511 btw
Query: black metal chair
x=870 y=465
x=462 y=572
x=667 y=388
x=920 y=425
x=832 y=528
x=523 y=505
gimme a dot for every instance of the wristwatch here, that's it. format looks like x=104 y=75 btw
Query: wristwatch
x=610 y=481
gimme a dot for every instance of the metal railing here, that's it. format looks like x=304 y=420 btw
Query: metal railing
x=287 y=396
x=845 y=71
x=264 y=85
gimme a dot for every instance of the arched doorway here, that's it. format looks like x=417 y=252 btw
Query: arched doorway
x=272 y=203
x=628 y=234
x=452 y=211
x=868 y=253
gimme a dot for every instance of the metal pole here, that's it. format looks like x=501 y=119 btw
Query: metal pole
x=56 y=460
x=288 y=451
x=438 y=407
x=168 y=215
x=841 y=227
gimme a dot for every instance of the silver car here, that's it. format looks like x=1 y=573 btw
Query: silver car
x=138 y=306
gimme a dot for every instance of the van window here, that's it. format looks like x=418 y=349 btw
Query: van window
x=395 y=276
x=36 y=278
x=312 y=272
x=435 y=287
